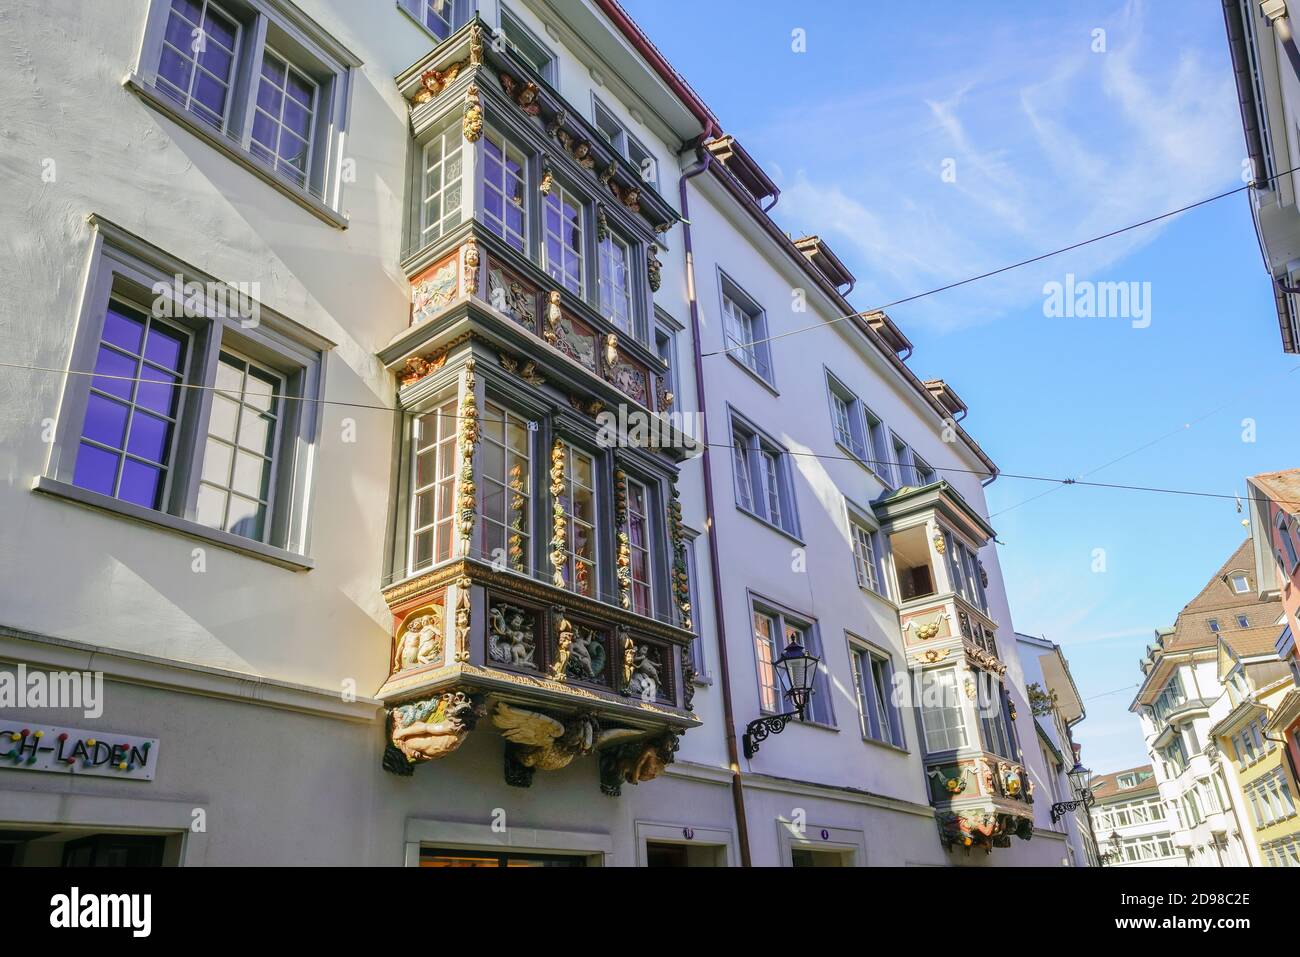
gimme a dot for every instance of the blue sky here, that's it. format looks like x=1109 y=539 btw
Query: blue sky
x=1051 y=143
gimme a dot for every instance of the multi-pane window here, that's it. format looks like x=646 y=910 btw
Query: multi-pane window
x=443 y=166
x=259 y=82
x=284 y=118
x=132 y=410
x=762 y=478
x=867 y=555
x=1240 y=584
x=239 y=458
x=172 y=421
x=615 y=283
x=638 y=533
x=773 y=631
x=697 y=646
x=878 y=436
x=440 y=17
x=941 y=711
x=903 y=466
x=578 y=500
x=666 y=350
x=993 y=718
x=1270 y=799
x=963 y=569
x=505 y=190
x=197 y=64
x=525 y=43
x=562 y=225
x=924 y=474
x=745 y=331
x=505 y=471
x=873 y=676
x=618 y=137
x=433 y=486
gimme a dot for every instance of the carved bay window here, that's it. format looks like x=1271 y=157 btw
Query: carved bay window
x=530 y=556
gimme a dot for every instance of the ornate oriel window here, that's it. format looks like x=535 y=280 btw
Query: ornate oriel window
x=562 y=224
x=505 y=472
x=433 y=486
x=505 y=190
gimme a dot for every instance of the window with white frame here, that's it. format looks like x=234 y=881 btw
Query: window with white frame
x=846 y=417
x=578 y=502
x=868 y=556
x=505 y=190
x=1240 y=584
x=505 y=473
x=180 y=424
x=878 y=437
x=563 y=246
x=257 y=79
x=995 y=724
x=924 y=474
x=1213 y=625
x=617 y=135
x=239 y=458
x=763 y=484
x=744 y=325
x=528 y=47
x=903 y=467
x=443 y=169
x=614 y=281
x=638 y=534
x=873 y=676
x=942 y=717
x=442 y=18
x=963 y=569
x=773 y=631
x=433 y=486
x=1243 y=621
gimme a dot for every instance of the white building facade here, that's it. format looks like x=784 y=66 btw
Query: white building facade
x=1132 y=821
x=349 y=495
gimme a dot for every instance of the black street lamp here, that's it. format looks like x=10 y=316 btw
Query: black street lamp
x=1078 y=776
x=796 y=669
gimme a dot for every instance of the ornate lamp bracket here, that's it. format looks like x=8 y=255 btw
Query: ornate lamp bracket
x=1062 y=808
x=761 y=728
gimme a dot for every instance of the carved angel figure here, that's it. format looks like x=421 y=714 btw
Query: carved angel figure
x=421 y=641
x=511 y=640
x=537 y=740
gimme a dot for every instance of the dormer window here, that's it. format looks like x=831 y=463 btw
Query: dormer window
x=1243 y=621
x=1240 y=584
x=1213 y=624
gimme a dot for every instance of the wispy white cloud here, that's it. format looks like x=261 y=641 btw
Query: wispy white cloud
x=1082 y=143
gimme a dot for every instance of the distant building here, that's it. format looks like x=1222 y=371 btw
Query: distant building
x=1057 y=708
x=1223 y=639
x=1130 y=820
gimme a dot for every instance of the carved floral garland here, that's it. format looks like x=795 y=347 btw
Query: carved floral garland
x=681 y=575
x=462 y=619
x=559 y=523
x=469 y=434
x=518 y=504
x=623 y=562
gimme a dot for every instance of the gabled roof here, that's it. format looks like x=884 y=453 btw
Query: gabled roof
x=1105 y=787
x=1283 y=488
x=1218 y=601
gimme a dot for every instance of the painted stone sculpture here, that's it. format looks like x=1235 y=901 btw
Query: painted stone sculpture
x=537 y=741
x=635 y=762
x=434 y=293
x=512 y=639
x=421 y=640
x=429 y=729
